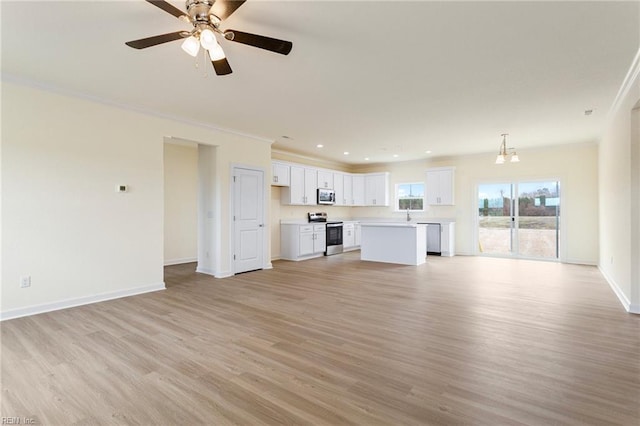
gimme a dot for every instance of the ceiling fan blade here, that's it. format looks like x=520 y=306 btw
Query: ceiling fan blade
x=273 y=44
x=222 y=66
x=155 y=40
x=167 y=7
x=224 y=8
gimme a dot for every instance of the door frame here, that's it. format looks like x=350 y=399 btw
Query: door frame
x=266 y=237
x=562 y=232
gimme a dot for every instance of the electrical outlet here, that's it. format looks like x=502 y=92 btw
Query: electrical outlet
x=25 y=281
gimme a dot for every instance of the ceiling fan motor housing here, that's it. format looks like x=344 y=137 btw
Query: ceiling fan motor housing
x=198 y=11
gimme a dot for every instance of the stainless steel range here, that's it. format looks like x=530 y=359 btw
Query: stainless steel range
x=333 y=233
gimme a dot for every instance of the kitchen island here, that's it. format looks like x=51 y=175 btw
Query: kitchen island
x=402 y=243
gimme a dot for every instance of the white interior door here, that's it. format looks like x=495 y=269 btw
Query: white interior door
x=248 y=213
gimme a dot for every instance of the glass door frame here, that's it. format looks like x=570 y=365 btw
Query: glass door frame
x=515 y=223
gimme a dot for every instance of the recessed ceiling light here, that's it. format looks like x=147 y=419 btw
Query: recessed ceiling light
x=319 y=145
x=346 y=153
x=395 y=155
x=366 y=158
x=427 y=152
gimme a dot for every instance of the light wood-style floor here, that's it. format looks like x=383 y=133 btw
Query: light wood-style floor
x=463 y=340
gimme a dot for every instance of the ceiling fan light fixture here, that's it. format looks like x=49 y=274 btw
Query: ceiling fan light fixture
x=216 y=53
x=208 y=39
x=191 y=45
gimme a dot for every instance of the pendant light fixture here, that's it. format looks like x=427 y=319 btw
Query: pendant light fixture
x=504 y=152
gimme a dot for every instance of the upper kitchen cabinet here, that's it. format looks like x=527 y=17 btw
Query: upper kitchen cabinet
x=357 y=190
x=302 y=187
x=338 y=187
x=280 y=174
x=440 y=186
x=325 y=179
x=348 y=189
x=376 y=189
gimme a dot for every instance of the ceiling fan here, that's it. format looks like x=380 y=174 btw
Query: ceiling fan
x=206 y=17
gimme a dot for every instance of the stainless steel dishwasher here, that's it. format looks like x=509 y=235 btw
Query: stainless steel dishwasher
x=433 y=238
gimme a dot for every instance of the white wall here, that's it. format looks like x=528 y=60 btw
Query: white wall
x=619 y=162
x=63 y=223
x=180 y=202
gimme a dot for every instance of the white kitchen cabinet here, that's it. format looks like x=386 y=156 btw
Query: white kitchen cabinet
x=348 y=189
x=280 y=174
x=325 y=179
x=299 y=242
x=376 y=187
x=348 y=235
x=440 y=186
x=357 y=233
x=338 y=188
x=357 y=186
x=302 y=187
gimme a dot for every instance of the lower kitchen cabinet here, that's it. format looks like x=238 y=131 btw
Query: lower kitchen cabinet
x=349 y=236
x=302 y=241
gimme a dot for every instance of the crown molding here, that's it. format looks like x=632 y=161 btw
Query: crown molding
x=22 y=81
x=316 y=160
x=629 y=80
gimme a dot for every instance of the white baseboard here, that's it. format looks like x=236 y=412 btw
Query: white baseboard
x=180 y=261
x=78 y=301
x=268 y=266
x=580 y=262
x=207 y=271
x=213 y=273
x=632 y=309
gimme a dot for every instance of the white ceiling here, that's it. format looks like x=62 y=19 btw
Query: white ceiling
x=372 y=78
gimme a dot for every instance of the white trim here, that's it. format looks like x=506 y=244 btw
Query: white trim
x=205 y=271
x=627 y=83
x=632 y=309
x=10 y=78
x=580 y=262
x=180 y=261
x=269 y=265
x=78 y=301
x=225 y=274
x=328 y=164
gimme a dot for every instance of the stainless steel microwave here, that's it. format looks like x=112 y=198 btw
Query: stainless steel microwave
x=326 y=196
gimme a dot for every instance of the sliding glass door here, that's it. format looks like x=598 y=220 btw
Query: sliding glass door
x=519 y=219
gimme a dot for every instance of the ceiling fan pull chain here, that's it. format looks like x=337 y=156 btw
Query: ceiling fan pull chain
x=204 y=61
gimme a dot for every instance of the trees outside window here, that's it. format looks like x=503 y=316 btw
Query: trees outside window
x=410 y=196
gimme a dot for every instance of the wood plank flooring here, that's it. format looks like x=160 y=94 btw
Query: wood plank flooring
x=463 y=340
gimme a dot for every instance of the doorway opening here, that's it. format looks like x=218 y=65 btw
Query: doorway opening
x=519 y=219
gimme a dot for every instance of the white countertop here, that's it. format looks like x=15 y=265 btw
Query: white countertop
x=392 y=224
x=388 y=220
